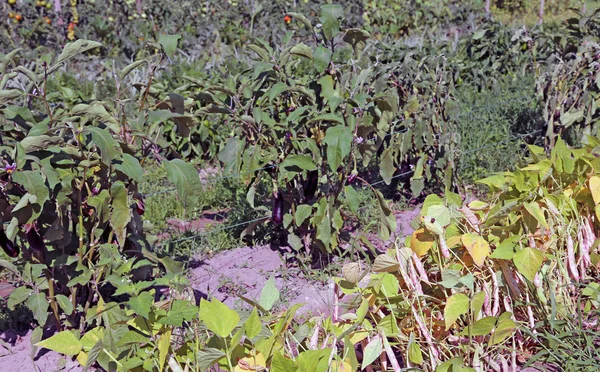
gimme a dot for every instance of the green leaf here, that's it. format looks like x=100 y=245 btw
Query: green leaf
x=414 y=353
x=303 y=211
x=595 y=189
x=98 y=112
x=372 y=351
x=208 y=357
x=38 y=304
x=477 y=303
x=231 y=155
x=528 y=261
x=298 y=163
x=261 y=52
x=121 y=213
x=387 y=219
x=456 y=305
x=389 y=285
x=169 y=44
x=355 y=37
x=8 y=95
x=282 y=364
x=72 y=49
x=131 y=167
x=63 y=342
x=34 y=183
x=218 y=318
x=133 y=337
x=324 y=231
x=352 y=197
x=253 y=324
x=269 y=295
x=9 y=266
x=93 y=355
x=91 y=338
x=331 y=15
x=33 y=143
x=482 y=327
x=276 y=90
x=477 y=35
x=329 y=92
x=568 y=118
x=18 y=295
x=130 y=67
x=142 y=303
x=295 y=242
x=302 y=50
x=64 y=303
x=339 y=142
x=506 y=250
x=441 y=214
x=186 y=180
x=180 y=311
x=105 y=142
x=386 y=165
x=322 y=58
x=505 y=328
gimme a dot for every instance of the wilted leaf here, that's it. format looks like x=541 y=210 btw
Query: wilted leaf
x=385 y=263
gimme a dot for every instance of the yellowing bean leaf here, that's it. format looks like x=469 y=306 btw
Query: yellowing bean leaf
x=595 y=189
x=478 y=248
x=535 y=210
x=421 y=242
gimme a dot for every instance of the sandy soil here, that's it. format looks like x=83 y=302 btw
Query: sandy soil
x=18 y=358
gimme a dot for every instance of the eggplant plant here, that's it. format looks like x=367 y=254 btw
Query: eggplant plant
x=69 y=205
x=313 y=115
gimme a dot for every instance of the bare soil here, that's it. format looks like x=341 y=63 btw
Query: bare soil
x=17 y=357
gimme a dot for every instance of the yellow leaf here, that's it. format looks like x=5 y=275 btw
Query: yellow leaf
x=164 y=342
x=595 y=189
x=358 y=336
x=597 y=209
x=421 y=242
x=82 y=358
x=478 y=248
x=453 y=241
x=340 y=366
x=478 y=205
x=251 y=363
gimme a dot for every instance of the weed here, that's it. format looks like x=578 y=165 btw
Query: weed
x=492 y=125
